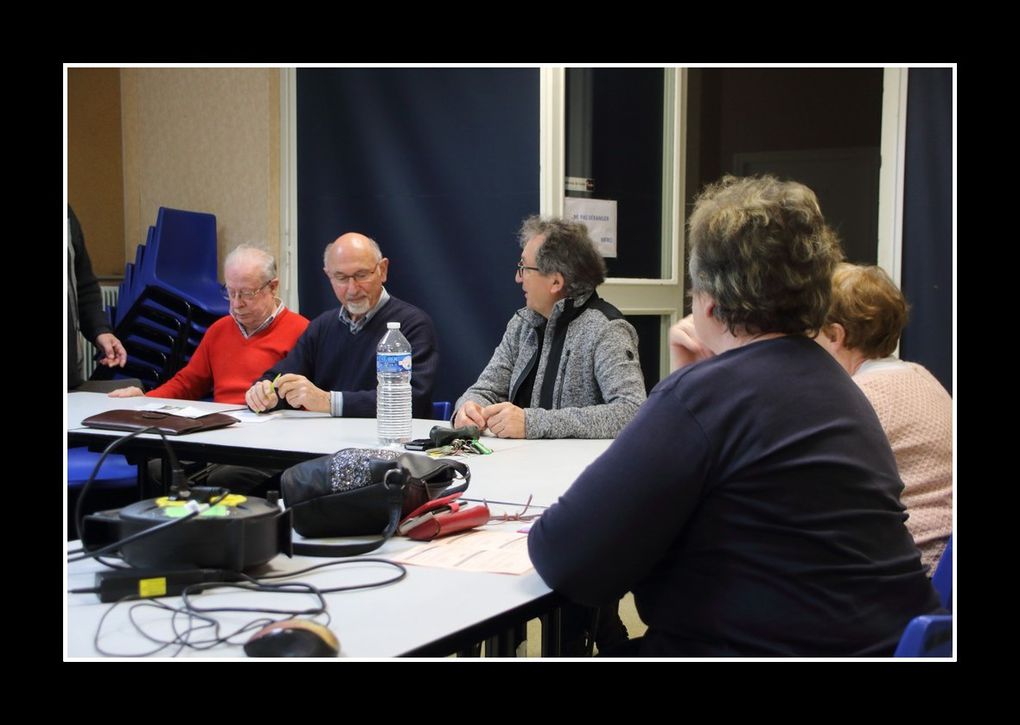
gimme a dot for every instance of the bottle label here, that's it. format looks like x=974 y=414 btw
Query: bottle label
x=393 y=362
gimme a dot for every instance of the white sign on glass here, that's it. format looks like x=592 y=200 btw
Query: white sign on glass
x=599 y=215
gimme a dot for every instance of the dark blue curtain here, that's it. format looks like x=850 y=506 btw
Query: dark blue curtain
x=437 y=165
x=927 y=278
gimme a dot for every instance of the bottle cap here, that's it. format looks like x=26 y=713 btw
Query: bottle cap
x=392 y=325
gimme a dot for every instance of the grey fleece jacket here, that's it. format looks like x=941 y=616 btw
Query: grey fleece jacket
x=598 y=385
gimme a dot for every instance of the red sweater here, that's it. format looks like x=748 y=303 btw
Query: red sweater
x=227 y=364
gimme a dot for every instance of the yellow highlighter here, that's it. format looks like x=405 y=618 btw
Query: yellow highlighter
x=273 y=384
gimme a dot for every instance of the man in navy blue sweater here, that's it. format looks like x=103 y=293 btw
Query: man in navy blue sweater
x=331 y=369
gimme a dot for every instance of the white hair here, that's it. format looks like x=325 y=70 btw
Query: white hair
x=260 y=256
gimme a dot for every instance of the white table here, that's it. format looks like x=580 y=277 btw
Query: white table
x=432 y=611
x=515 y=470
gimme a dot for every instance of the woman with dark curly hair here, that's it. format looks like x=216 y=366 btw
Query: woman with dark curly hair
x=752 y=505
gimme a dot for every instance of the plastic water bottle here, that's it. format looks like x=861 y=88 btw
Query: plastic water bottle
x=393 y=397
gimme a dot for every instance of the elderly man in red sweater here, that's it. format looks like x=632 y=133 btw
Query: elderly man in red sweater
x=236 y=349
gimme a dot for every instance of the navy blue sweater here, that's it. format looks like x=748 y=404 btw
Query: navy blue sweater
x=752 y=506
x=334 y=359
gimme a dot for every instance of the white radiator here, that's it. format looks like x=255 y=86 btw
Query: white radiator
x=88 y=365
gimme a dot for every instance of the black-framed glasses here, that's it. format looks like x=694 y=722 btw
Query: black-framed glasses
x=359 y=277
x=241 y=294
x=521 y=266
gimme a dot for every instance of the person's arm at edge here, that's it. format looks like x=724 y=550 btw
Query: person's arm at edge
x=91 y=318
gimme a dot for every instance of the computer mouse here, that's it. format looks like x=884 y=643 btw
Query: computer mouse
x=293 y=638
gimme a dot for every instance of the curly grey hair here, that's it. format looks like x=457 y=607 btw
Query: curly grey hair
x=567 y=249
x=762 y=250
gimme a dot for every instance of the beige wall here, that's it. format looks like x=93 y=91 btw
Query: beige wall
x=95 y=172
x=205 y=139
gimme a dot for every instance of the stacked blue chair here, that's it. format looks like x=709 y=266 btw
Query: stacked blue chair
x=169 y=298
x=185 y=260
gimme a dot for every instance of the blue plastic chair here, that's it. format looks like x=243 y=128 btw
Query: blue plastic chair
x=115 y=472
x=169 y=298
x=135 y=275
x=942 y=579
x=182 y=258
x=116 y=483
x=442 y=410
x=930 y=635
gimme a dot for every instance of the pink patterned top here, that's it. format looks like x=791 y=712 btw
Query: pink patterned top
x=917 y=416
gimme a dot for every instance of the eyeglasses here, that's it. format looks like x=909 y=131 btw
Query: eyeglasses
x=359 y=277
x=521 y=267
x=521 y=515
x=241 y=294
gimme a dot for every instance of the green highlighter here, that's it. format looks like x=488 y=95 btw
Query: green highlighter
x=274 y=389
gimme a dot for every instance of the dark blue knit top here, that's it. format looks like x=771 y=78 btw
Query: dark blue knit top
x=333 y=358
x=752 y=506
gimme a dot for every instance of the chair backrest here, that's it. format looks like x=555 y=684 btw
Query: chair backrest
x=116 y=484
x=442 y=410
x=942 y=579
x=115 y=471
x=181 y=260
x=184 y=245
x=930 y=635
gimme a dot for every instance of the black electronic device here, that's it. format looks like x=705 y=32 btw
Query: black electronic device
x=442 y=436
x=236 y=533
x=418 y=444
x=119 y=584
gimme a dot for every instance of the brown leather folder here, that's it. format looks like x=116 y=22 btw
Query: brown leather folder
x=174 y=425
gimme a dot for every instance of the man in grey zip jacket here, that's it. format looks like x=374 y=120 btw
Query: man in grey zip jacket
x=567 y=366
